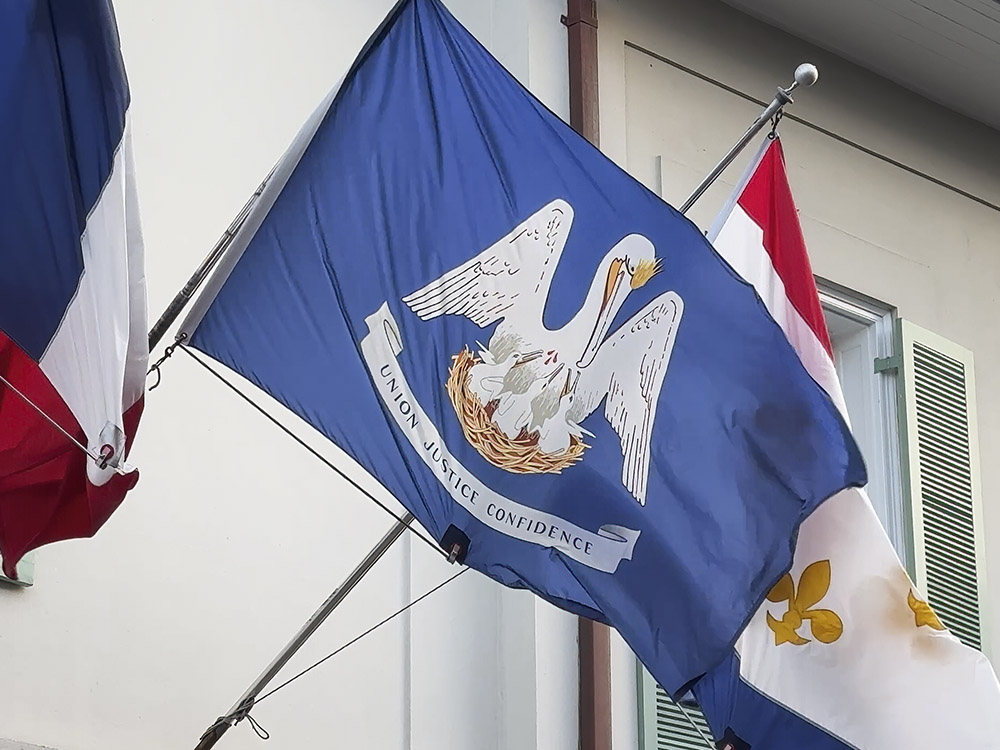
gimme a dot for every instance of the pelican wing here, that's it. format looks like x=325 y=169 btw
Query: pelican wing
x=640 y=352
x=516 y=272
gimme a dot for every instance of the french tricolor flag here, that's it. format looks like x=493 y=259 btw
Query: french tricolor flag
x=73 y=347
x=845 y=653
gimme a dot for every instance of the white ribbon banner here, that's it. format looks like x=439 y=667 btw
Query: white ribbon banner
x=603 y=550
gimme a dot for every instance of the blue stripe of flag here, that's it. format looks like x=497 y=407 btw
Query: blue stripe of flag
x=63 y=97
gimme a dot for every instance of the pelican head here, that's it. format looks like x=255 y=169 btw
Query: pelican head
x=629 y=265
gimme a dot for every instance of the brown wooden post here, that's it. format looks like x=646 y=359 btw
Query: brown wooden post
x=584 y=116
x=595 y=686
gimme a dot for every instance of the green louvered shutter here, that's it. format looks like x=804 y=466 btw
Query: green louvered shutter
x=662 y=725
x=942 y=461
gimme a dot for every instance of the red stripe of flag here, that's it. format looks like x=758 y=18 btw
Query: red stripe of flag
x=767 y=199
x=45 y=495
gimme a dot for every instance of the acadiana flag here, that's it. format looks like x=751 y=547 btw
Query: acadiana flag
x=545 y=363
x=72 y=289
x=845 y=652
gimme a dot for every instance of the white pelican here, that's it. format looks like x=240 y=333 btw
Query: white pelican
x=543 y=382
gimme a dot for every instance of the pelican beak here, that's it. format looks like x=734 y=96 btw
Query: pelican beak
x=567 y=388
x=555 y=373
x=614 y=283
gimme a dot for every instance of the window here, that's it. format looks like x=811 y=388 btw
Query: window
x=911 y=399
x=861 y=331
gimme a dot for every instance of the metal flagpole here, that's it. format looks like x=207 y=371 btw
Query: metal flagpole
x=180 y=301
x=805 y=75
x=242 y=707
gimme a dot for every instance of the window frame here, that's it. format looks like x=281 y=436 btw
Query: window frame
x=886 y=393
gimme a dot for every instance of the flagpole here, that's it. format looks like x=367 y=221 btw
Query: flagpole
x=186 y=294
x=242 y=707
x=805 y=75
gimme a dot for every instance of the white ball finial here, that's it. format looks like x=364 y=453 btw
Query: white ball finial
x=806 y=74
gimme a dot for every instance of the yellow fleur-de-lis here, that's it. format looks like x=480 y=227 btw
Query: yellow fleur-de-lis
x=922 y=613
x=825 y=625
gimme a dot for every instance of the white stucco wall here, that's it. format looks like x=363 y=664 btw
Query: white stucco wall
x=142 y=636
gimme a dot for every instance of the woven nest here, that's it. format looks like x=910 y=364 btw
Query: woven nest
x=520 y=455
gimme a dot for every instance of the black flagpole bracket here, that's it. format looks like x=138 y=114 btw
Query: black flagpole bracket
x=456 y=543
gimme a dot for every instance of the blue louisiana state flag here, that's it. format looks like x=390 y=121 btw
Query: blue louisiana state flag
x=537 y=356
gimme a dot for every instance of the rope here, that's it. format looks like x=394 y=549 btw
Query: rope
x=354 y=640
x=167 y=354
x=437 y=549
x=260 y=731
